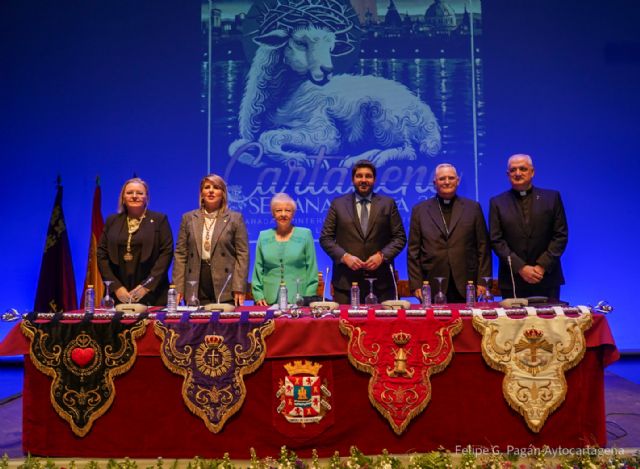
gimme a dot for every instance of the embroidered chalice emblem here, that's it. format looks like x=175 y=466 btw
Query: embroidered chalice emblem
x=400 y=369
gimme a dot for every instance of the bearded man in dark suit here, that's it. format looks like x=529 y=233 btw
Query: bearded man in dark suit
x=448 y=238
x=362 y=233
x=528 y=225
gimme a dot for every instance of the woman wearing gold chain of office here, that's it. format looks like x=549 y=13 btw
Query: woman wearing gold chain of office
x=212 y=251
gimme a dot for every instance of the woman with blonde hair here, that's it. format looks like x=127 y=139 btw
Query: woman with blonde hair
x=135 y=249
x=212 y=247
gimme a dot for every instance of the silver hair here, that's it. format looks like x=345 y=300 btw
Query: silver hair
x=520 y=155
x=282 y=197
x=444 y=165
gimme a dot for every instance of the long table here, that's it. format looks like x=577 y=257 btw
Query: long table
x=149 y=419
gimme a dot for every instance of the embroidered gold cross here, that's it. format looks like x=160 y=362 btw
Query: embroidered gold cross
x=533 y=341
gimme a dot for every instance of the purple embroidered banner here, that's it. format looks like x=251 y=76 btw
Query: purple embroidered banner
x=213 y=358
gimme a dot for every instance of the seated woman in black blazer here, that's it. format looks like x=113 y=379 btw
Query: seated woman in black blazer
x=136 y=248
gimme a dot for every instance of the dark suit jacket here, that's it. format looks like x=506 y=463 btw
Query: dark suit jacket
x=543 y=242
x=465 y=253
x=229 y=253
x=341 y=233
x=157 y=249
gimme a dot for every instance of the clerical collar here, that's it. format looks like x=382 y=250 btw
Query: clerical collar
x=522 y=193
x=446 y=201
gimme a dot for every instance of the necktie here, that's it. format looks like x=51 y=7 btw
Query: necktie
x=364 y=215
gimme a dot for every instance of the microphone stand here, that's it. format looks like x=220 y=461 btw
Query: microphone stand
x=324 y=305
x=514 y=302
x=397 y=303
x=224 y=307
x=134 y=307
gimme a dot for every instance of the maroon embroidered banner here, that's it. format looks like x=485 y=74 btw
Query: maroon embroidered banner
x=213 y=358
x=83 y=359
x=400 y=355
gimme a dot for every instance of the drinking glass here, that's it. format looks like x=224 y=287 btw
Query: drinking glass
x=488 y=297
x=440 y=297
x=299 y=299
x=193 y=300
x=107 y=302
x=371 y=298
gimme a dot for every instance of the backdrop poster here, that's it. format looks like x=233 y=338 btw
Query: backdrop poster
x=296 y=91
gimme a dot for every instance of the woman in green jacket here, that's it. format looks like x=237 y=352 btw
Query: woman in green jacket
x=284 y=253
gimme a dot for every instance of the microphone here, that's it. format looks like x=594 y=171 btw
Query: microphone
x=133 y=294
x=514 y=302
x=220 y=306
x=136 y=307
x=397 y=303
x=324 y=286
x=147 y=282
x=321 y=307
x=226 y=282
x=395 y=285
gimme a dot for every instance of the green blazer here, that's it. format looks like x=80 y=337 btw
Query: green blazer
x=296 y=257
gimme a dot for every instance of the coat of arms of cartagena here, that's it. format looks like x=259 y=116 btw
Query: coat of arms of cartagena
x=304 y=393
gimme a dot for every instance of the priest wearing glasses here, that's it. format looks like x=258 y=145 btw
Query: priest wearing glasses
x=528 y=225
x=448 y=238
x=362 y=234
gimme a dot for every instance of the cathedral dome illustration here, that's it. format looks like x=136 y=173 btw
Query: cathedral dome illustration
x=440 y=16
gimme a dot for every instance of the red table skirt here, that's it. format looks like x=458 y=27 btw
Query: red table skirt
x=149 y=419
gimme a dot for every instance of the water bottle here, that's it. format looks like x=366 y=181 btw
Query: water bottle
x=426 y=294
x=355 y=295
x=172 y=299
x=90 y=300
x=283 y=297
x=471 y=294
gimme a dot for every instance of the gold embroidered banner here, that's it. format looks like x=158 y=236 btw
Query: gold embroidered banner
x=533 y=353
x=401 y=355
x=82 y=358
x=213 y=359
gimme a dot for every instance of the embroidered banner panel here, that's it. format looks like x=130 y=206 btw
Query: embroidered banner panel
x=533 y=353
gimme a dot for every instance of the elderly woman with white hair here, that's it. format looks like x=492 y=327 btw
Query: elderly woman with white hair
x=284 y=253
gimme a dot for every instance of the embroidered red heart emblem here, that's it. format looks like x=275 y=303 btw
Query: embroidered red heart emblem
x=82 y=356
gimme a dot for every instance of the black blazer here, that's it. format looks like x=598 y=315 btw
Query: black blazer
x=465 y=253
x=155 y=257
x=542 y=242
x=341 y=233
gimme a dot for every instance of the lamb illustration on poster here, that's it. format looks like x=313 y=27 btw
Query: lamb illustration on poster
x=295 y=107
x=296 y=91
